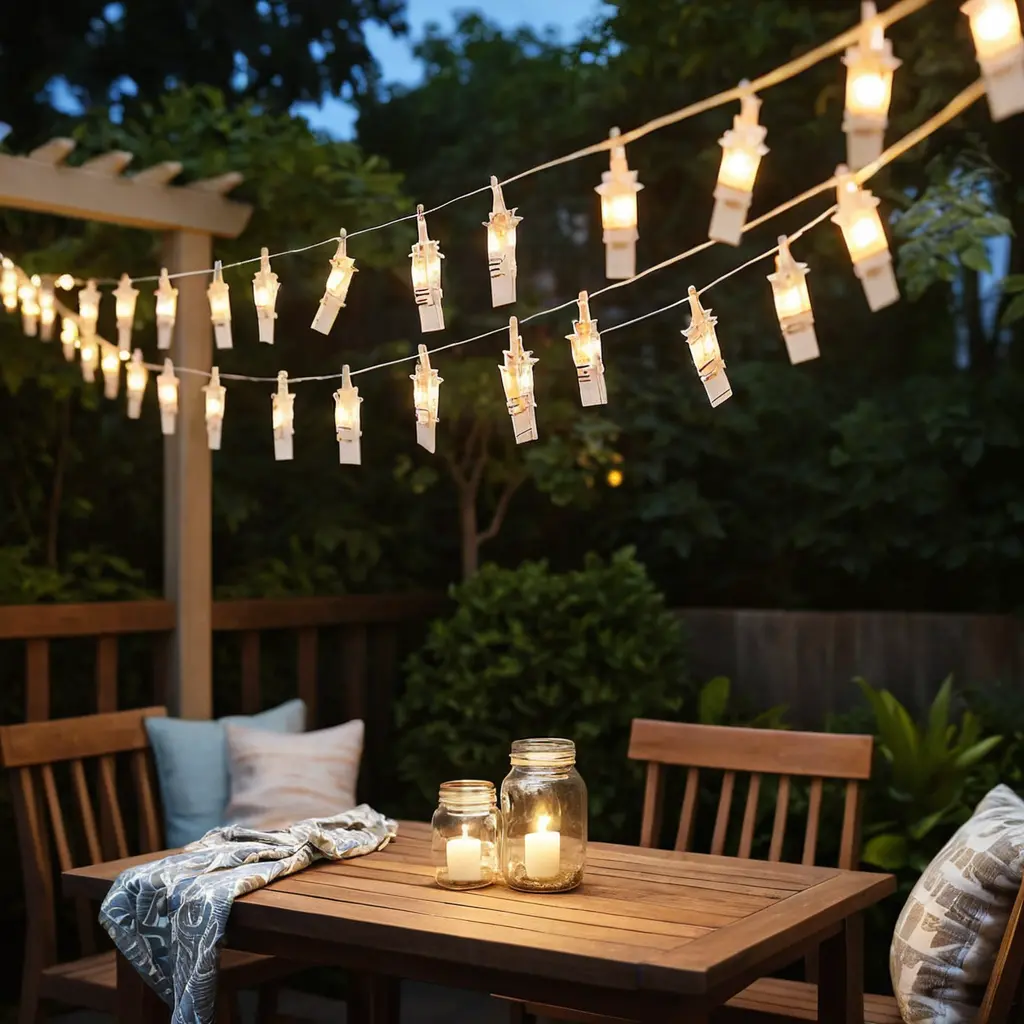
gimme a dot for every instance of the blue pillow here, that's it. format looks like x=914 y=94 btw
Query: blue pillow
x=192 y=766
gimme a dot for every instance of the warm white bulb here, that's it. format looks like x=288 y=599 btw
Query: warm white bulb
x=864 y=233
x=739 y=169
x=870 y=91
x=791 y=301
x=995 y=23
x=619 y=210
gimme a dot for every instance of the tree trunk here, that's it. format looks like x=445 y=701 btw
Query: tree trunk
x=470 y=534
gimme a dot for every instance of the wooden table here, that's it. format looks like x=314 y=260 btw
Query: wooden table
x=651 y=935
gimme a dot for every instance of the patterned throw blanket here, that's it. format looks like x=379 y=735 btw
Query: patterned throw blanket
x=168 y=917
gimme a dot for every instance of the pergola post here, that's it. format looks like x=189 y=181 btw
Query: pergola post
x=189 y=217
x=188 y=577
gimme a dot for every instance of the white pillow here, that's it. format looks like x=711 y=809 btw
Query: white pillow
x=278 y=779
x=948 y=935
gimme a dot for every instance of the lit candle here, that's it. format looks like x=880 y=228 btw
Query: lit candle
x=543 y=850
x=464 y=860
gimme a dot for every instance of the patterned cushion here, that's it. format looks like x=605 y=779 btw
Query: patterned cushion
x=278 y=779
x=948 y=935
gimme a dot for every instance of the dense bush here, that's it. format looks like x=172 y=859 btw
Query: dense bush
x=530 y=652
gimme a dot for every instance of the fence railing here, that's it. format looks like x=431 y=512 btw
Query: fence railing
x=807 y=660
x=339 y=654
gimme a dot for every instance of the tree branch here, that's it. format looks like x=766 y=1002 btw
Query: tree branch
x=501 y=509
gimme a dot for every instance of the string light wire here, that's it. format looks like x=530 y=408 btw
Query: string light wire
x=955 y=107
x=789 y=70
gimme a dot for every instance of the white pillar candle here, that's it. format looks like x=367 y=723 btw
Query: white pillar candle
x=464 y=859
x=543 y=851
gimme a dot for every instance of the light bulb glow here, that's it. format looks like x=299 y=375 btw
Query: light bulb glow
x=89 y=356
x=869 y=92
x=517 y=380
x=739 y=169
x=9 y=285
x=995 y=26
x=283 y=418
x=501 y=248
x=619 y=210
x=426 y=259
x=346 y=420
x=219 y=295
x=110 y=365
x=47 y=309
x=702 y=338
x=265 y=286
x=125 y=296
x=215 y=401
x=167 y=397
x=135 y=379
x=870 y=68
x=28 y=293
x=88 y=309
x=343 y=268
x=166 y=309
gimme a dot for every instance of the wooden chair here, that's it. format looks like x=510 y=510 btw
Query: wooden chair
x=31 y=752
x=787 y=755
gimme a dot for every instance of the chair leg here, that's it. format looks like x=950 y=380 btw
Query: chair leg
x=266 y=1004
x=519 y=1014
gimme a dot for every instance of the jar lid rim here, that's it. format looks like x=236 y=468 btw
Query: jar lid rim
x=553 y=751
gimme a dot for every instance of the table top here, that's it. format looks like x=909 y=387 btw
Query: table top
x=642 y=919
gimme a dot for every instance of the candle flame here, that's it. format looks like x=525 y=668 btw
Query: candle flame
x=465 y=831
x=542 y=822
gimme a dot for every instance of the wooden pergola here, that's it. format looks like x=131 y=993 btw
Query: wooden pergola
x=188 y=217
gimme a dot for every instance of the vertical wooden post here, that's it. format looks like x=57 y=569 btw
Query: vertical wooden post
x=187 y=486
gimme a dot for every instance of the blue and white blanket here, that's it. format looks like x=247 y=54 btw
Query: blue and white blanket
x=168 y=917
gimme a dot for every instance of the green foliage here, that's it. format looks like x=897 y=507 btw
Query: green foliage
x=925 y=769
x=716 y=706
x=530 y=652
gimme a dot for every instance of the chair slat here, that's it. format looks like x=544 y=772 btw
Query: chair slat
x=813 y=817
x=250 y=672
x=781 y=813
x=1006 y=983
x=60 y=835
x=750 y=815
x=149 y=831
x=689 y=812
x=92 y=838
x=35 y=867
x=84 y=915
x=109 y=805
x=849 y=843
x=724 y=809
x=306 y=672
x=650 y=823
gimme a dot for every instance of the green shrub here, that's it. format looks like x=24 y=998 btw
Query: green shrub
x=531 y=652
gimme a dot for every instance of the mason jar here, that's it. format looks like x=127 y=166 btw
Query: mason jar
x=465 y=833
x=544 y=817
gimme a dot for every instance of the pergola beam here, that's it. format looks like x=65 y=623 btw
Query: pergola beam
x=99 y=193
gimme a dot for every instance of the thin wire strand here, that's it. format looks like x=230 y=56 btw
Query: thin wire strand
x=781 y=74
x=956 y=106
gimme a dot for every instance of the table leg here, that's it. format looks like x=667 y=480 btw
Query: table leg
x=841 y=975
x=373 y=999
x=137 y=1003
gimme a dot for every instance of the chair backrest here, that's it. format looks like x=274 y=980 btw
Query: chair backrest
x=756 y=752
x=30 y=753
x=1006 y=986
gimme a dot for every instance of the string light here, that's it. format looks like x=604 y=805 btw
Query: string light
x=426 y=276
x=136 y=376
x=343 y=267
x=28 y=293
x=166 y=310
x=346 y=420
x=47 y=308
x=88 y=309
x=89 y=356
x=618 y=190
x=501 y=248
x=167 y=396
x=65 y=282
x=870 y=68
x=995 y=25
x=707 y=355
x=426 y=389
x=69 y=338
x=110 y=364
x=125 y=296
x=283 y=419
x=793 y=305
x=220 y=307
x=517 y=378
x=9 y=284
x=216 y=398
x=265 y=286
x=862 y=229
x=586 y=354
x=742 y=149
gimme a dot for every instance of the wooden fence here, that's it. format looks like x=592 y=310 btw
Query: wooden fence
x=807 y=660
x=344 y=655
